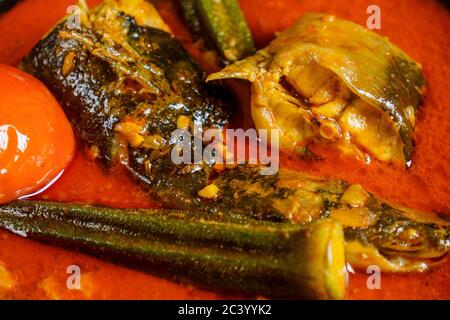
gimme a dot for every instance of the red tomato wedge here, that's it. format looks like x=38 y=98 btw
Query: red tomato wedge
x=36 y=139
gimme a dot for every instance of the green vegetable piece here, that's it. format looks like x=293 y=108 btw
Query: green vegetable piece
x=222 y=24
x=257 y=258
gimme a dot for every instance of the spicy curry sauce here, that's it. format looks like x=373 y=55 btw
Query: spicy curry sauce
x=420 y=28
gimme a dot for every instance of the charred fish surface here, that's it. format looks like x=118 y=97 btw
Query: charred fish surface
x=125 y=87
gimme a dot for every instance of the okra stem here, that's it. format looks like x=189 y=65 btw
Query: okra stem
x=257 y=258
x=222 y=24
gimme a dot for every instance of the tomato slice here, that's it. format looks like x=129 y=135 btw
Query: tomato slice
x=36 y=139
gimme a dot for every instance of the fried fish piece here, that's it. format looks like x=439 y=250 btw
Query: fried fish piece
x=331 y=80
x=124 y=82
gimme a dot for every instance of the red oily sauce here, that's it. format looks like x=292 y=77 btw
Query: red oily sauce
x=420 y=28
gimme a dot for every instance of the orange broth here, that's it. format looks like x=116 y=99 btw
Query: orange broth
x=420 y=28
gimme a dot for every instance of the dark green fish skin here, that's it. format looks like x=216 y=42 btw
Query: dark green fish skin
x=95 y=105
x=389 y=233
x=88 y=87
